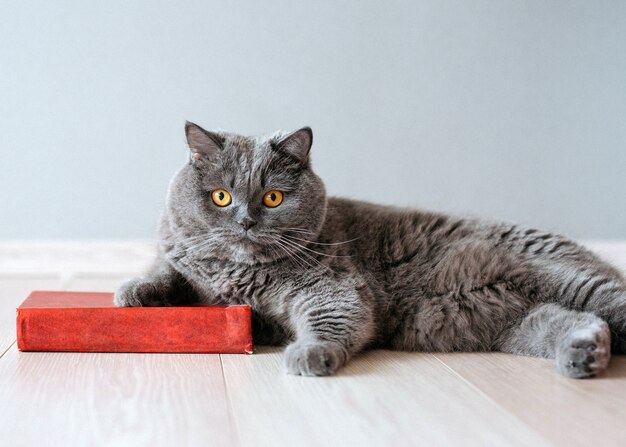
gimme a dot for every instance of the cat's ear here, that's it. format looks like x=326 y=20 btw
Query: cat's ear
x=202 y=143
x=297 y=143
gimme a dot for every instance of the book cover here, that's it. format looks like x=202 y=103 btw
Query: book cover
x=90 y=322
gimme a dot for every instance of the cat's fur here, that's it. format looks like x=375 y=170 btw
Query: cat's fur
x=332 y=276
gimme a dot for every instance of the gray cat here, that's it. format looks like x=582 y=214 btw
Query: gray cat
x=248 y=221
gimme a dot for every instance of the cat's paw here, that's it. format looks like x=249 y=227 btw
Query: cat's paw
x=585 y=352
x=314 y=358
x=140 y=292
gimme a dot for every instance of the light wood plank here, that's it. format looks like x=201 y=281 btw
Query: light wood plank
x=66 y=399
x=382 y=398
x=565 y=411
x=12 y=293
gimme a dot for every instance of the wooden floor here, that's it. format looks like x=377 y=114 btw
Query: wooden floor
x=381 y=399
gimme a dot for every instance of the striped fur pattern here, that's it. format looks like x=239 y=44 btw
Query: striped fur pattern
x=331 y=277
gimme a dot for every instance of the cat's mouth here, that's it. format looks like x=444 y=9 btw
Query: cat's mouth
x=253 y=243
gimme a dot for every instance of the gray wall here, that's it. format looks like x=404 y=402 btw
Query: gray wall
x=509 y=109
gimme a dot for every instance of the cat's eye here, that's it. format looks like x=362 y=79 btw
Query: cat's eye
x=273 y=198
x=221 y=197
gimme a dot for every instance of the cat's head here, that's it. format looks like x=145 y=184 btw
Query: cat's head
x=248 y=199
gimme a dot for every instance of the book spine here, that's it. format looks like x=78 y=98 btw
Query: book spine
x=22 y=331
x=192 y=330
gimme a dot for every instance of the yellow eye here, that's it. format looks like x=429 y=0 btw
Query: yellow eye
x=221 y=197
x=273 y=198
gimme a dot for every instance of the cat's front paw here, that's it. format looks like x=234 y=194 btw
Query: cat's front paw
x=140 y=292
x=314 y=358
x=585 y=352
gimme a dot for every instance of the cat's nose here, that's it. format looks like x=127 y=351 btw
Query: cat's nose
x=247 y=223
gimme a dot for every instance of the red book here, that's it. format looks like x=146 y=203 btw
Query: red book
x=90 y=322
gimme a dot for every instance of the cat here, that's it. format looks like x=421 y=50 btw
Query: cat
x=247 y=221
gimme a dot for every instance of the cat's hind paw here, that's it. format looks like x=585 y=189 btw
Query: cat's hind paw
x=314 y=358
x=585 y=352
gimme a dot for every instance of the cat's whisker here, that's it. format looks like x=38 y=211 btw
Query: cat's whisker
x=297 y=253
x=194 y=240
x=323 y=243
x=205 y=240
x=298 y=260
x=314 y=251
x=210 y=244
x=294 y=256
x=273 y=252
x=299 y=249
x=200 y=244
x=301 y=260
x=312 y=263
x=296 y=230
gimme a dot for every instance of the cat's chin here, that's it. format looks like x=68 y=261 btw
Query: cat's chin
x=251 y=253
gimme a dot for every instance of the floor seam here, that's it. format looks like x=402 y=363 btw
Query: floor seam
x=486 y=396
x=231 y=416
x=7 y=349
